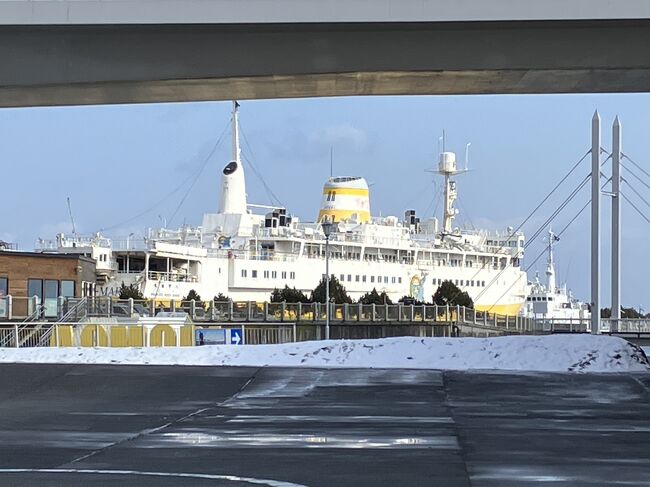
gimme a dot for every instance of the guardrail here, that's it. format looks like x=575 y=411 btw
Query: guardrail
x=583 y=325
x=251 y=311
x=162 y=333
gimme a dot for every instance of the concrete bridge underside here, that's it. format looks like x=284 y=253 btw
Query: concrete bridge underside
x=96 y=64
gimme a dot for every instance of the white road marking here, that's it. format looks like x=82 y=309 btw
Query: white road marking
x=207 y=476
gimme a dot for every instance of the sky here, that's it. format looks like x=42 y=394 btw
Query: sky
x=129 y=167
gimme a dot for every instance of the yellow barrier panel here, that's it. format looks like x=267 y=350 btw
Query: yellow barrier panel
x=162 y=336
x=62 y=335
x=93 y=335
x=187 y=336
x=135 y=336
x=118 y=336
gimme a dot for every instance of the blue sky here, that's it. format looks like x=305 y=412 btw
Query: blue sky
x=114 y=162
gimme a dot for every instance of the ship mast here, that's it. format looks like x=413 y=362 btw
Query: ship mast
x=233 y=183
x=550 y=268
x=447 y=168
x=235 y=150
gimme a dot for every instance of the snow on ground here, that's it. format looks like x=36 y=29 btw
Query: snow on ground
x=557 y=353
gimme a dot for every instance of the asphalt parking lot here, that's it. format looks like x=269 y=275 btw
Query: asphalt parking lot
x=79 y=425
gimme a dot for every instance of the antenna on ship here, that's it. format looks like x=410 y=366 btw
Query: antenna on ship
x=467 y=156
x=447 y=167
x=74 y=230
x=550 y=267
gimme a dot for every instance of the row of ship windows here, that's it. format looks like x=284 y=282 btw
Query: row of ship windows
x=539 y=298
x=364 y=278
x=465 y=283
x=380 y=279
x=404 y=259
x=268 y=274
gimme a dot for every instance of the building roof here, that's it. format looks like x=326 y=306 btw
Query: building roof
x=14 y=253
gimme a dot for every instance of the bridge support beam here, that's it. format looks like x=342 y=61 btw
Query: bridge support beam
x=616 y=223
x=595 y=223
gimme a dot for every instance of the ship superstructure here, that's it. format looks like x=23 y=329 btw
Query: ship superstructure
x=550 y=301
x=245 y=255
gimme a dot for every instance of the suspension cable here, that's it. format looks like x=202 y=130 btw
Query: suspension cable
x=199 y=172
x=635 y=207
x=530 y=215
x=162 y=200
x=625 y=156
x=542 y=253
x=269 y=192
x=635 y=191
x=636 y=176
x=541 y=228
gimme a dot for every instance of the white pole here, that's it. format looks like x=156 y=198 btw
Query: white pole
x=327 y=287
x=595 y=224
x=616 y=223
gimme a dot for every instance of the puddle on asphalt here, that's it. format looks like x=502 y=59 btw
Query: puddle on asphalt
x=283 y=440
x=247 y=419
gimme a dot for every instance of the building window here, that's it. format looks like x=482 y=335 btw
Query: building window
x=356 y=278
x=342 y=278
x=244 y=273
x=67 y=289
x=284 y=274
x=266 y=274
x=349 y=277
x=274 y=275
x=363 y=278
x=399 y=280
x=4 y=286
x=393 y=280
x=385 y=279
x=372 y=278
x=35 y=288
x=292 y=275
x=254 y=274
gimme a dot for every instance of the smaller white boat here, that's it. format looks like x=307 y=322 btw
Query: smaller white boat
x=550 y=301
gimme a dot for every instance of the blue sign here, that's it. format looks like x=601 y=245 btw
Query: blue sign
x=209 y=336
x=236 y=336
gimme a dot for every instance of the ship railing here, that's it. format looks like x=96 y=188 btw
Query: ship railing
x=171 y=276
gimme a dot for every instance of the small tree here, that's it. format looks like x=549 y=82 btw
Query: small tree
x=409 y=300
x=373 y=297
x=192 y=295
x=449 y=293
x=130 y=292
x=338 y=294
x=221 y=298
x=288 y=295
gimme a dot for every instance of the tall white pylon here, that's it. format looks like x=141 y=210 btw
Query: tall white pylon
x=616 y=221
x=595 y=223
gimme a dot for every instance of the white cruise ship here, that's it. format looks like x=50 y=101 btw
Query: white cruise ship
x=245 y=255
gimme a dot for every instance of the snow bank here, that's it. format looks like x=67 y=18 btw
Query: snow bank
x=558 y=353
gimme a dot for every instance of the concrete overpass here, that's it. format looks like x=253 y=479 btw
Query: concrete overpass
x=64 y=52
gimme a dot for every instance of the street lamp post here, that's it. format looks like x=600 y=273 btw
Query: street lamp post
x=328 y=227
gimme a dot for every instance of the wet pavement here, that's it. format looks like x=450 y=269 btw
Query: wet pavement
x=79 y=425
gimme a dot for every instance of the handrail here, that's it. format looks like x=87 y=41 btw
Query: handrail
x=73 y=311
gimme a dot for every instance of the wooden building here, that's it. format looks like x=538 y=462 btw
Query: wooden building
x=25 y=275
